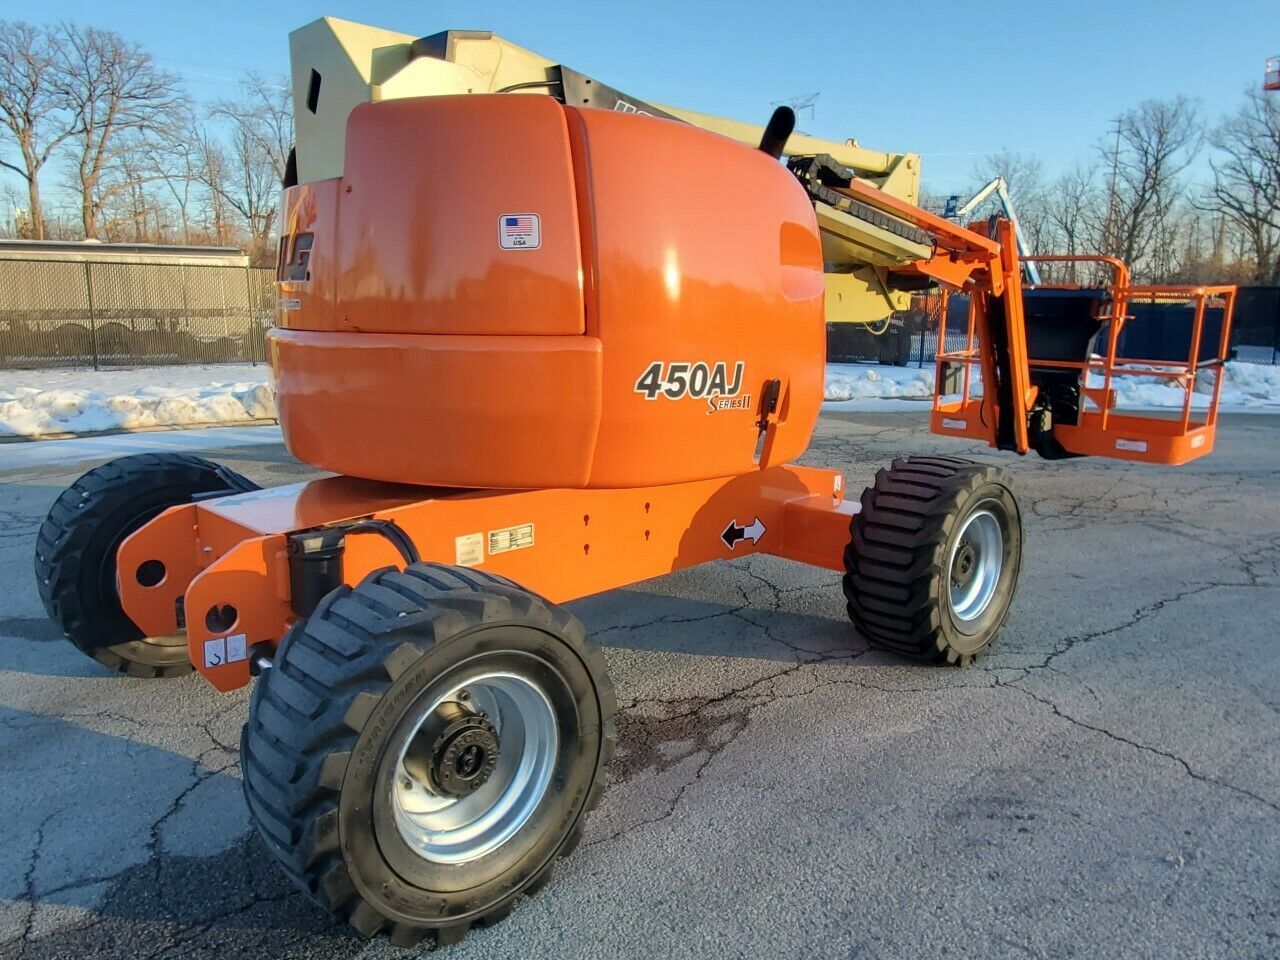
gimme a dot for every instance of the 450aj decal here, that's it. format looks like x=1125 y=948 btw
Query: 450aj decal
x=697 y=380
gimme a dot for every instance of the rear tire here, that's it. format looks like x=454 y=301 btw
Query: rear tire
x=933 y=558
x=356 y=750
x=75 y=561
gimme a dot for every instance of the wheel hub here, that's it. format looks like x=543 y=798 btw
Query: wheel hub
x=976 y=568
x=455 y=751
x=475 y=767
x=966 y=562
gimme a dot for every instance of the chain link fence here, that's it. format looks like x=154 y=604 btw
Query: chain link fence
x=909 y=338
x=105 y=313
x=1256 y=326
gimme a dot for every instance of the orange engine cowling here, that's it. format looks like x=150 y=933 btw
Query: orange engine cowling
x=502 y=291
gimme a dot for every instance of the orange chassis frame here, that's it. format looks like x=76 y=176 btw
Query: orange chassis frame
x=227 y=568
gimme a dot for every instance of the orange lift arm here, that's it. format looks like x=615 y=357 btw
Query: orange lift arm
x=988 y=269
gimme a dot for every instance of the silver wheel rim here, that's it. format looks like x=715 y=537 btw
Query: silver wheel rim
x=447 y=829
x=974 y=568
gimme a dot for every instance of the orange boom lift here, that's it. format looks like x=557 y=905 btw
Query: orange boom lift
x=545 y=361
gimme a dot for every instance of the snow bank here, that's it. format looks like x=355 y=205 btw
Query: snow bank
x=35 y=403
x=863 y=382
x=1249 y=386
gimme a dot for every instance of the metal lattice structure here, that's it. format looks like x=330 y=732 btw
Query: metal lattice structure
x=63 y=307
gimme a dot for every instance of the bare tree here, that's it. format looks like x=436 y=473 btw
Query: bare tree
x=135 y=213
x=266 y=109
x=1074 y=211
x=214 y=175
x=119 y=99
x=1023 y=175
x=34 y=113
x=246 y=174
x=1246 y=180
x=176 y=162
x=1154 y=143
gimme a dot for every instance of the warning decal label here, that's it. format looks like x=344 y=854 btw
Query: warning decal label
x=468 y=550
x=223 y=650
x=510 y=538
x=1135 y=446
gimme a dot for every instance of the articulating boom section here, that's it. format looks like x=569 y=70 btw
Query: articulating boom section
x=1048 y=356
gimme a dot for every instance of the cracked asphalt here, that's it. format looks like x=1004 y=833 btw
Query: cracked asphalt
x=1106 y=783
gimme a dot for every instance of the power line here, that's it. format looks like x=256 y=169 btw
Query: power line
x=799 y=104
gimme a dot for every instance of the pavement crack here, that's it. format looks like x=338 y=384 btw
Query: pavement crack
x=1064 y=645
x=1146 y=748
x=696 y=724
x=29 y=882
x=154 y=846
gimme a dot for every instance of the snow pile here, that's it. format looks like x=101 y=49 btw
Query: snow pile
x=1249 y=386
x=36 y=403
x=855 y=381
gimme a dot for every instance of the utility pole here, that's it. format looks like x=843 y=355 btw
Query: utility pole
x=799 y=104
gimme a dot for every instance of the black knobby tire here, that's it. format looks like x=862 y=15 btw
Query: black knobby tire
x=75 y=560
x=909 y=546
x=326 y=723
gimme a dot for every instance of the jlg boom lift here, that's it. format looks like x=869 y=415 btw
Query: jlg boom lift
x=554 y=340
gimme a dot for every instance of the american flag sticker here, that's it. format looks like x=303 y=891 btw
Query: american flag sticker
x=519 y=231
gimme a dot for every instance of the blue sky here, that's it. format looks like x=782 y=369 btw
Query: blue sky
x=950 y=80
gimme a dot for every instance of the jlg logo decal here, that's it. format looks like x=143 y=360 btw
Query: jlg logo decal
x=697 y=380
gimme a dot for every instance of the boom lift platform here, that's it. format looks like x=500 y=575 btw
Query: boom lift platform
x=544 y=361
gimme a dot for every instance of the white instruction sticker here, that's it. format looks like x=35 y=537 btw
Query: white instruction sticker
x=468 y=550
x=1197 y=441
x=1136 y=446
x=519 y=231
x=215 y=652
x=955 y=424
x=223 y=650
x=510 y=538
x=237 y=648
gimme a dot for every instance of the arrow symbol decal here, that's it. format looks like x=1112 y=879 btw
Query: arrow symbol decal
x=734 y=533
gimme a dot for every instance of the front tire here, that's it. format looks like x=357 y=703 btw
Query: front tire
x=424 y=747
x=933 y=558
x=75 y=561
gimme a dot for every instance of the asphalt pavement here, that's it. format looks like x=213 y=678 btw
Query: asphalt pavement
x=1106 y=783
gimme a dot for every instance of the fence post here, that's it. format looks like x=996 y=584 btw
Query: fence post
x=93 y=322
x=252 y=318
